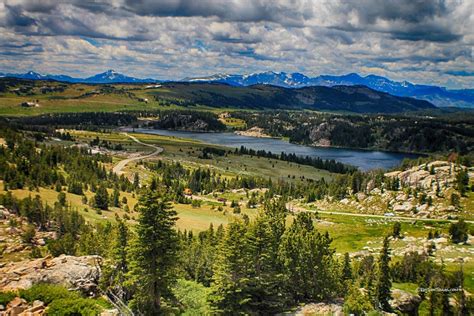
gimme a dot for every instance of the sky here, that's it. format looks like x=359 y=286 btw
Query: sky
x=429 y=42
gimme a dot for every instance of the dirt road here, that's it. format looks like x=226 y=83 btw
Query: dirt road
x=293 y=208
x=121 y=164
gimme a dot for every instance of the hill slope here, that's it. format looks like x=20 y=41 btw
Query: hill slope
x=359 y=99
x=439 y=96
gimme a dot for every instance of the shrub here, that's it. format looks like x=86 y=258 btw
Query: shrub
x=192 y=296
x=47 y=293
x=396 y=230
x=357 y=302
x=6 y=297
x=77 y=306
x=458 y=231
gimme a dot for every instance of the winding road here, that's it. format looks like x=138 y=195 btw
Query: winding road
x=122 y=163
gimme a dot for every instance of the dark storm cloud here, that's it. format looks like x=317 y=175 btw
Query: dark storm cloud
x=291 y=13
x=409 y=11
x=412 y=20
x=14 y=17
x=46 y=19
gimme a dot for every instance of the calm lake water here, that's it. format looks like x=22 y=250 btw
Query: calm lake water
x=363 y=159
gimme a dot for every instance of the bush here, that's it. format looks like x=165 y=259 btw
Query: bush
x=357 y=302
x=47 y=293
x=77 y=306
x=458 y=231
x=6 y=297
x=397 y=227
x=64 y=245
x=192 y=296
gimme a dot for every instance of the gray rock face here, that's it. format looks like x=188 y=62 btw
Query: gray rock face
x=77 y=273
x=321 y=134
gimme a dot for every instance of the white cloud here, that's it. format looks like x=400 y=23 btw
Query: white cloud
x=423 y=42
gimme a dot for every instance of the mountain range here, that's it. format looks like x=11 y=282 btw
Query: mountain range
x=439 y=96
x=110 y=76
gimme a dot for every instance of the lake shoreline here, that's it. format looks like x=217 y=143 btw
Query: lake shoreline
x=363 y=159
x=283 y=139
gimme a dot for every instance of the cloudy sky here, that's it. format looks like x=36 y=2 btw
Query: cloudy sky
x=421 y=41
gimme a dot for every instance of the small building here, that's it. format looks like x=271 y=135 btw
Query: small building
x=29 y=104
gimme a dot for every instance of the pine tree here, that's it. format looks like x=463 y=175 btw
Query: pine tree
x=117 y=276
x=230 y=281
x=136 y=181
x=309 y=265
x=101 y=198
x=384 y=283
x=346 y=268
x=153 y=254
x=116 y=198
x=266 y=275
x=396 y=230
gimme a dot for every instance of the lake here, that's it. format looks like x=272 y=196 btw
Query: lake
x=363 y=159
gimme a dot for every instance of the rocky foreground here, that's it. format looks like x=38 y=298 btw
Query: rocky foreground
x=75 y=273
x=80 y=274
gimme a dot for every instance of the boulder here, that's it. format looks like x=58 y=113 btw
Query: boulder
x=333 y=309
x=110 y=312
x=405 y=207
x=404 y=302
x=78 y=273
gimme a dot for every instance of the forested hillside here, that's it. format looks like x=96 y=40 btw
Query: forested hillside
x=421 y=133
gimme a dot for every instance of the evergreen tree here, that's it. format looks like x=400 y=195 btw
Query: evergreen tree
x=384 y=283
x=116 y=198
x=230 y=281
x=116 y=276
x=62 y=198
x=309 y=266
x=346 y=268
x=396 y=230
x=136 y=181
x=459 y=231
x=266 y=277
x=101 y=198
x=153 y=254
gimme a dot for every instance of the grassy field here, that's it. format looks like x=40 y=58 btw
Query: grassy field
x=88 y=98
x=187 y=152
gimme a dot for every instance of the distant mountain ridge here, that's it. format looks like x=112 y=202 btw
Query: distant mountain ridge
x=109 y=76
x=439 y=96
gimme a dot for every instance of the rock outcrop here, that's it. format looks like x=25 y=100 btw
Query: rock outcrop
x=77 y=273
x=20 y=307
x=404 y=302
x=428 y=176
x=333 y=309
x=321 y=135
